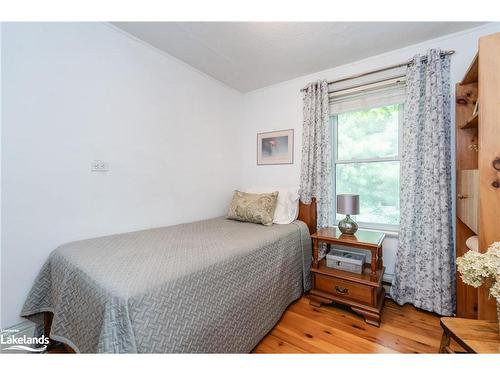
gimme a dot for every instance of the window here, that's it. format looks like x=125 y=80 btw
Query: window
x=366 y=162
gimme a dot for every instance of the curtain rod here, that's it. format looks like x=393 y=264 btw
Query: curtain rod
x=423 y=58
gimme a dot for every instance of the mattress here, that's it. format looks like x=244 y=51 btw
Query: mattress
x=212 y=286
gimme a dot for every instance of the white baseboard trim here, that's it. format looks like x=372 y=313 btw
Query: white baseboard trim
x=388 y=277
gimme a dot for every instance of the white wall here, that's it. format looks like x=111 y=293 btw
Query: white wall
x=75 y=92
x=280 y=107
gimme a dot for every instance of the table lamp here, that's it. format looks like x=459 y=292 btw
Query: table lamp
x=348 y=204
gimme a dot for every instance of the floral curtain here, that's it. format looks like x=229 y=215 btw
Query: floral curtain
x=425 y=260
x=316 y=168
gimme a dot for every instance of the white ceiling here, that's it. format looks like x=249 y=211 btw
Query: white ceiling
x=251 y=55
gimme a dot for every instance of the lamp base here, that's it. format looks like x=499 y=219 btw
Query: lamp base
x=348 y=225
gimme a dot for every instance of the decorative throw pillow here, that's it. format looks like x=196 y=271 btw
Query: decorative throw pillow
x=254 y=208
x=287 y=208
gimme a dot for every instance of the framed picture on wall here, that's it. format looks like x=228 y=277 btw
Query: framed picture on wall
x=275 y=147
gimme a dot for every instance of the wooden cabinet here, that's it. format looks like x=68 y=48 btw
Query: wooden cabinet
x=478 y=175
x=468 y=197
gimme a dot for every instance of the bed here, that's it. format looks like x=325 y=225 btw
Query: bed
x=212 y=286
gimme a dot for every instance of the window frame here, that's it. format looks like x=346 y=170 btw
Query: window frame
x=336 y=161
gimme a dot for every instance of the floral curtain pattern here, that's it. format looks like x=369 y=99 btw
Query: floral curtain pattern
x=316 y=167
x=425 y=260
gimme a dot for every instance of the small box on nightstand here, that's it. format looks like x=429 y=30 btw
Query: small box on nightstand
x=345 y=260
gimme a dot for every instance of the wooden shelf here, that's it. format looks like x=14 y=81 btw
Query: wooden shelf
x=466 y=92
x=364 y=278
x=472 y=73
x=478 y=201
x=363 y=239
x=471 y=122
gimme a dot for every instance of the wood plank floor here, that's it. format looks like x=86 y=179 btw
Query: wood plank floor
x=333 y=329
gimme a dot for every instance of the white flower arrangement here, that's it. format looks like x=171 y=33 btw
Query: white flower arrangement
x=476 y=268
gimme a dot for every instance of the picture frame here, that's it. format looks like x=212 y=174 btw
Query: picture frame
x=275 y=147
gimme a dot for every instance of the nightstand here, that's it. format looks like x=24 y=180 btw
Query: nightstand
x=363 y=293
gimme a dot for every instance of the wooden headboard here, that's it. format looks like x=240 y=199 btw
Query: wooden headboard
x=307 y=214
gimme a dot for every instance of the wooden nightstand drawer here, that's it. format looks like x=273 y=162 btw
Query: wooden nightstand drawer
x=343 y=288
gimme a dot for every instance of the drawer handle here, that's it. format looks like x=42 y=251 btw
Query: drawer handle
x=341 y=290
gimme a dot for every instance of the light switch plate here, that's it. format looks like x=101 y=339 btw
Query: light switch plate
x=99 y=166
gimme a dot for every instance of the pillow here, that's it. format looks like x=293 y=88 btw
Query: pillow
x=287 y=209
x=254 y=208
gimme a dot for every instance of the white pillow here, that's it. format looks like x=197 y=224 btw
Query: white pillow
x=287 y=209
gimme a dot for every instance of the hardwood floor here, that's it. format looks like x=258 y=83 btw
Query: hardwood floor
x=333 y=329
x=328 y=329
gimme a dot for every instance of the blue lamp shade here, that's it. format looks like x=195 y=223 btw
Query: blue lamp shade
x=348 y=204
